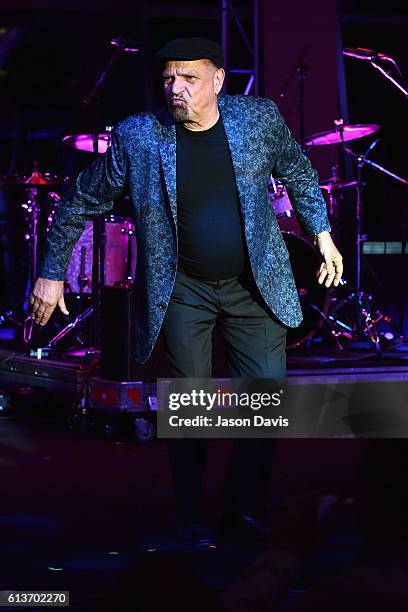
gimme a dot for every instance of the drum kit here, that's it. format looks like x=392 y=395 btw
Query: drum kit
x=356 y=317
x=110 y=243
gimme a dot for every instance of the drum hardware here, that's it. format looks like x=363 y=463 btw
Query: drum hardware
x=90 y=143
x=121 y=45
x=333 y=187
x=282 y=207
x=337 y=329
x=115 y=257
x=35 y=187
x=314 y=298
x=374 y=58
x=36 y=178
x=341 y=133
x=8 y=317
x=300 y=71
x=366 y=317
x=305 y=260
x=94 y=142
x=116 y=237
x=84 y=316
x=32 y=207
x=363 y=309
x=363 y=321
x=334 y=183
x=121 y=246
x=83 y=279
x=362 y=159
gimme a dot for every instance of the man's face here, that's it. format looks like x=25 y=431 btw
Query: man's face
x=190 y=88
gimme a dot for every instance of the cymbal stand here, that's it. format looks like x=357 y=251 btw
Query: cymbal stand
x=364 y=322
x=32 y=208
x=366 y=313
x=333 y=191
x=71 y=326
x=362 y=159
x=333 y=204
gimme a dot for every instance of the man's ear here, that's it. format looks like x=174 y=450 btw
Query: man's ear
x=219 y=77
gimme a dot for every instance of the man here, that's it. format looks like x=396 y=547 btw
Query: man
x=209 y=250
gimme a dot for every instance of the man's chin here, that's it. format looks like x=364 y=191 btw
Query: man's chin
x=180 y=114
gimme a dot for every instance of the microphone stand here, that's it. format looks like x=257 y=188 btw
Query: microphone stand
x=388 y=76
x=301 y=69
x=96 y=89
x=374 y=58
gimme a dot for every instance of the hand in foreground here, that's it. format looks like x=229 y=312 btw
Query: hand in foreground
x=45 y=296
x=331 y=269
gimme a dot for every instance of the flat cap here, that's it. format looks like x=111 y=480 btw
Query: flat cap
x=192 y=49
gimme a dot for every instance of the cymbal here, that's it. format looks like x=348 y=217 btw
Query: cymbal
x=348 y=132
x=334 y=183
x=35 y=179
x=85 y=142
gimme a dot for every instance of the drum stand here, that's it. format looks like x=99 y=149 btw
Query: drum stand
x=32 y=204
x=366 y=315
x=32 y=208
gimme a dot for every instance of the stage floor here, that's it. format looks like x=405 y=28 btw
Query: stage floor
x=79 y=511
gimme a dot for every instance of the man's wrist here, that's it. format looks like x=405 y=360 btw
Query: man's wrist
x=323 y=234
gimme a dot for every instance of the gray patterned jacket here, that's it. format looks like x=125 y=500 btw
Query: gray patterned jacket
x=143 y=155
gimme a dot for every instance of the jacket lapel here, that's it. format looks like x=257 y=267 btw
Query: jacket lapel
x=167 y=149
x=236 y=142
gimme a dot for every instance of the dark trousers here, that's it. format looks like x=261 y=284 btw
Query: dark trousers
x=255 y=344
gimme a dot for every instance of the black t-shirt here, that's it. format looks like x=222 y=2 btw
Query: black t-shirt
x=210 y=229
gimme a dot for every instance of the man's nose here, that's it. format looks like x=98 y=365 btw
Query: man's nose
x=177 y=86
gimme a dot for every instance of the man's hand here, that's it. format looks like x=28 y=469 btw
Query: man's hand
x=45 y=296
x=331 y=269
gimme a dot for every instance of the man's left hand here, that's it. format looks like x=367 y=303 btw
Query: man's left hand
x=331 y=269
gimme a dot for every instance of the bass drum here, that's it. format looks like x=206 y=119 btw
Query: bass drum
x=314 y=298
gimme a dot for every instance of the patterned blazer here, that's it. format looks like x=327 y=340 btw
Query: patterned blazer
x=143 y=157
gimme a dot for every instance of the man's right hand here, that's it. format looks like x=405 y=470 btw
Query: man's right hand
x=45 y=296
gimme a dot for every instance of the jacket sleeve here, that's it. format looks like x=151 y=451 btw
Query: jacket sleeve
x=293 y=168
x=92 y=194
